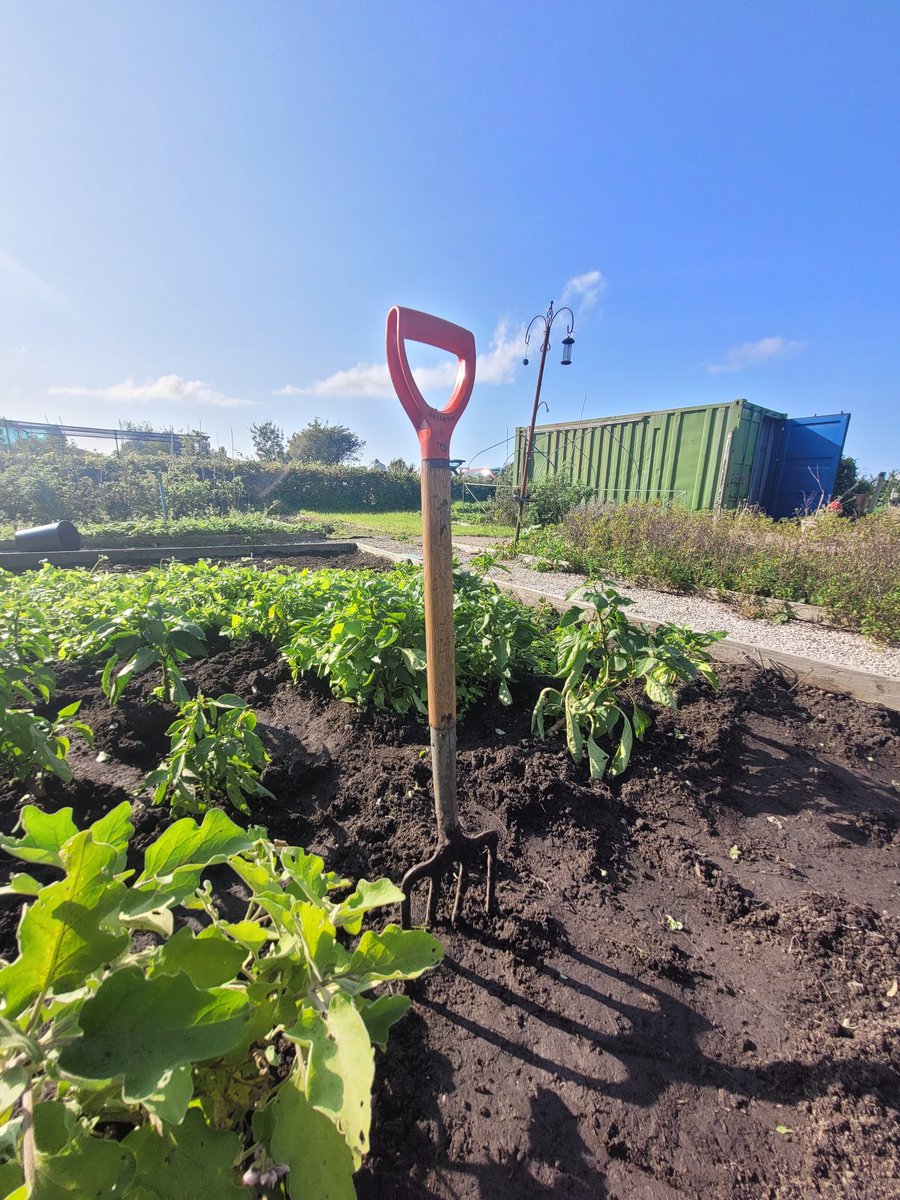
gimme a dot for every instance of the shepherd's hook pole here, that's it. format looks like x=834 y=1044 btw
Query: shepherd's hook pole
x=547 y=320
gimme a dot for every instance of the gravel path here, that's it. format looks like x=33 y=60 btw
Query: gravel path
x=795 y=637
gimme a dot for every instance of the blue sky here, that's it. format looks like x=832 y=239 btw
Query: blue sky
x=207 y=209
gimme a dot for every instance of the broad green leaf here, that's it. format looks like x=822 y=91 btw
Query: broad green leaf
x=115 y=828
x=70 y=1165
x=61 y=936
x=145 y=657
x=10 y=1133
x=12 y=1181
x=318 y=936
x=340 y=1069
x=208 y=960
x=12 y=1084
x=155 y=920
x=140 y=1028
x=188 y=643
x=179 y=855
x=176 y=1090
x=394 y=953
x=363 y=899
x=45 y=835
x=414 y=659
x=15 y=1040
x=660 y=693
x=574 y=737
x=21 y=884
x=308 y=872
x=622 y=756
x=248 y=934
x=641 y=722
x=189 y=1161
x=320 y=1162
x=379 y=1015
x=597 y=758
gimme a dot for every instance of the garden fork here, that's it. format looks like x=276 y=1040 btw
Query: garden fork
x=455 y=848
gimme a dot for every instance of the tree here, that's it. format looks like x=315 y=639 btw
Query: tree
x=847 y=475
x=268 y=441
x=399 y=466
x=323 y=443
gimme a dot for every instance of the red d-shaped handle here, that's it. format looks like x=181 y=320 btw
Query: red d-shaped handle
x=434 y=425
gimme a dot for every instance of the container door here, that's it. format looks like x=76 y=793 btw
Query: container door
x=805 y=468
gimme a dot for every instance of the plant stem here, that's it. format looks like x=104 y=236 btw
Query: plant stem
x=28 y=1166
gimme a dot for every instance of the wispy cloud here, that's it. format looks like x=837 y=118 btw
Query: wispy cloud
x=756 y=354
x=584 y=290
x=23 y=349
x=371 y=381
x=25 y=281
x=168 y=389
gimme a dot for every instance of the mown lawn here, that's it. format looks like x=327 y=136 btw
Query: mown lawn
x=401 y=524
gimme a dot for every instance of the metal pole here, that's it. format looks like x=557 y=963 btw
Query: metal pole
x=523 y=483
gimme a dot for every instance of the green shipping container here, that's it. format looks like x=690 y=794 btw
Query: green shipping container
x=712 y=456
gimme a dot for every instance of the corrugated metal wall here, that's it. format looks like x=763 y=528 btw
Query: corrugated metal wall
x=699 y=457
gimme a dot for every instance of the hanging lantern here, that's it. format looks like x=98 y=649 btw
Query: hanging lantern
x=567 y=343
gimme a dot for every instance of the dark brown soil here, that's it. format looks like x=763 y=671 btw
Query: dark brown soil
x=691 y=987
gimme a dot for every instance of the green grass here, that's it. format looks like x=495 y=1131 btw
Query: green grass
x=400 y=524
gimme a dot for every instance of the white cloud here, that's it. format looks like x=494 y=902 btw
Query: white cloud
x=168 y=389
x=755 y=354
x=23 y=349
x=371 y=381
x=24 y=280
x=584 y=290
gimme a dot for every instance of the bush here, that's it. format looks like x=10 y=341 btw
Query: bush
x=850 y=568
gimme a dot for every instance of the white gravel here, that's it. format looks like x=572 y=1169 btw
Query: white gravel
x=794 y=637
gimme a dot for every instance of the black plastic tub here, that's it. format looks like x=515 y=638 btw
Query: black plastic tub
x=61 y=535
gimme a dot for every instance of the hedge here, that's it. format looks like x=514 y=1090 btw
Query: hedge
x=39 y=483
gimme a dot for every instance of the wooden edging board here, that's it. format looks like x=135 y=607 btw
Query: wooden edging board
x=20 y=560
x=863 y=685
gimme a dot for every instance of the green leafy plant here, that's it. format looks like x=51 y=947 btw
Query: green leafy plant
x=598 y=654
x=140 y=638
x=155 y=1062
x=214 y=751
x=33 y=746
x=365 y=633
